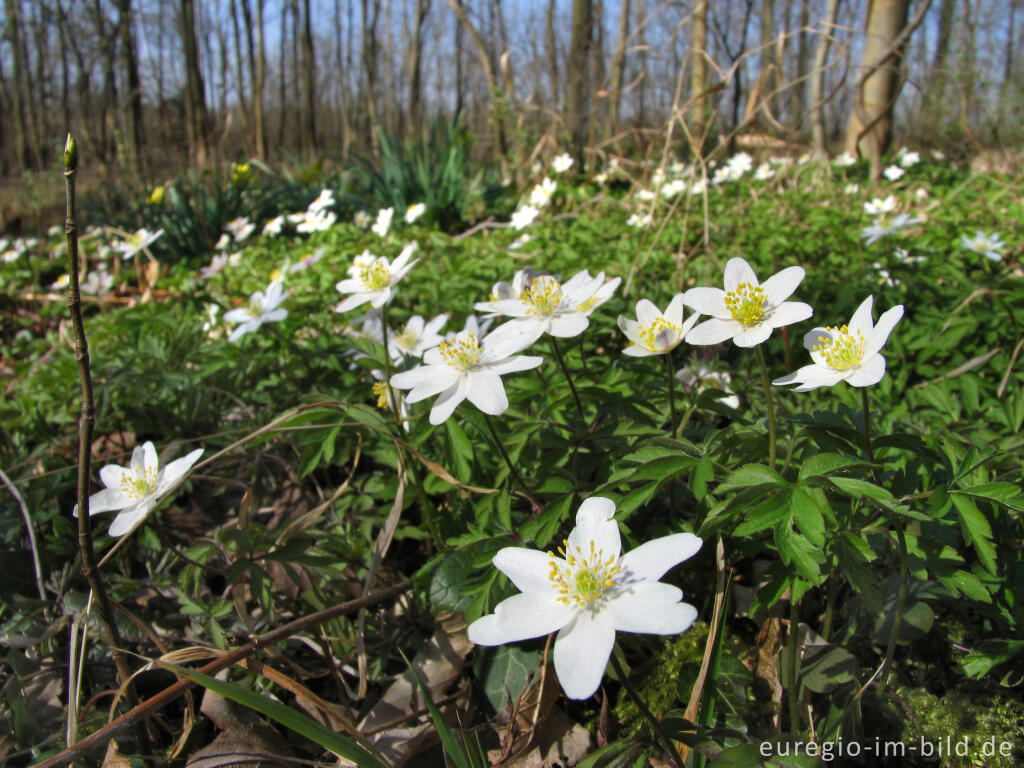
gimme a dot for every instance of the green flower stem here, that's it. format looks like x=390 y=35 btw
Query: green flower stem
x=771 y=407
x=901 y=542
x=568 y=377
x=508 y=459
x=392 y=400
x=671 y=392
x=659 y=734
x=793 y=692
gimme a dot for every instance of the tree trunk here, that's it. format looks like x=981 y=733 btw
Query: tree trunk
x=819 y=135
x=551 y=41
x=255 y=74
x=13 y=12
x=243 y=105
x=130 y=65
x=309 y=140
x=699 y=74
x=769 y=66
x=935 y=87
x=577 y=76
x=798 y=101
x=370 y=46
x=869 y=131
x=414 y=64
x=618 y=69
x=195 y=94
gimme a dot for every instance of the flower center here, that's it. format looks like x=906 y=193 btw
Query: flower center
x=585 y=575
x=376 y=275
x=256 y=305
x=659 y=334
x=544 y=296
x=841 y=349
x=747 y=304
x=139 y=483
x=461 y=354
x=407 y=339
x=383 y=393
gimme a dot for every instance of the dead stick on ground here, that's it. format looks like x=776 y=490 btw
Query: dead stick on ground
x=169 y=694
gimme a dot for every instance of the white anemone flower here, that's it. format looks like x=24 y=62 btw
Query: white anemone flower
x=274 y=226
x=880 y=206
x=545 y=306
x=851 y=189
x=524 y=216
x=845 y=160
x=416 y=337
x=414 y=211
x=383 y=223
x=323 y=201
x=654 y=332
x=909 y=159
x=315 y=221
x=240 y=228
x=893 y=173
x=848 y=353
x=587 y=593
x=137 y=489
x=137 y=241
x=262 y=308
x=373 y=278
x=361 y=219
x=746 y=311
x=703 y=377
x=989 y=246
x=606 y=289
x=562 y=163
x=462 y=369
x=541 y=194
x=886 y=225
x=640 y=221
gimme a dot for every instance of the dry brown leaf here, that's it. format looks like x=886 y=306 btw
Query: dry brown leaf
x=559 y=742
x=113 y=757
x=255 y=747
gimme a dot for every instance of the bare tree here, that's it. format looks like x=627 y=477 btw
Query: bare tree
x=309 y=140
x=195 y=94
x=577 y=83
x=618 y=69
x=699 y=112
x=818 y=133
x=130 y=66
x=13 y=14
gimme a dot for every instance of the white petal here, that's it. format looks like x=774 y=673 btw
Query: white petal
x=814 y=376
x=444 y=378
x=581 y=653
x=814 y=337
x=485 y=390
x=751 y=337
x=144 y=458
x=131 y=517
x=789 y=312
x=112 y=475
x=526 y=568
x=646 y=312
x=516 y=364
x=446 y=404
x=275 y=316
x=674 y=311
x=594 y=523
x=861 y=320
x=176 y=470
x=568 y=325
x=868 y=373
x=713 y=331
x=738 y=271
x=781 y=285
x=242 y=315
x=514 y=336
x=650 y=607
x=634 y=350
x=652 y=559
x=353 y=301
x=520 y=617
x=349 y=285
x=707 y=301
x=880 y=333
x=105 y=501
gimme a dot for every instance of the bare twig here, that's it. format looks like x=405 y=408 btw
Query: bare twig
x=86 y=420
x=169 y=694
x=31 y=533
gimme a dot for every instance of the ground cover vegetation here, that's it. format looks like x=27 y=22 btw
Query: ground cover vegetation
x=672 y=462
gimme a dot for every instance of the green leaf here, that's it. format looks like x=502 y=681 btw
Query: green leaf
x=703 y=473
x=286 y=716
x=808 y=516
x=826 y=464
x=976 y=531
x=827 y=668
x=968 y=584
x=507 y=669
x=999 y=493
x=769 y=513
x=752 y=475
x=856 y=488
x=796 y=550
x=663 y=469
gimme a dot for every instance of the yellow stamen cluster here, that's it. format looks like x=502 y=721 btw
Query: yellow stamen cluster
x=407 y=339
x=544 y=296
x=383 y=392
x=463 y=355
x=659 y=328
x=138 y=483
x=841 y=349
x=376 y=275
x=256 y=305
x=585 y=577
x=746 y=303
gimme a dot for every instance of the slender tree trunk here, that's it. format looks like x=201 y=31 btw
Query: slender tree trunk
x=699 y=74
x=798 y=100
x=258 y=82
x=641 y=42
x=769 y=65
x=460 y=74
x=819 y=134
x=370 y=57
x=414 y=64
x=130 y=65
x=308 y=82
x=618 y=69
x=870 y=127
x=13 y=13
x=577 y=83
x=243 y=104
x=282 y=69
x=935 y=87
x=195 y=96
x=552 y=53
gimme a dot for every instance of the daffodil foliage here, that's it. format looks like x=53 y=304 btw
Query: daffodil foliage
x=567 y=428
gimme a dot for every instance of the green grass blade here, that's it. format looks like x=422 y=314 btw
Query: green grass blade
x=286 y=716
